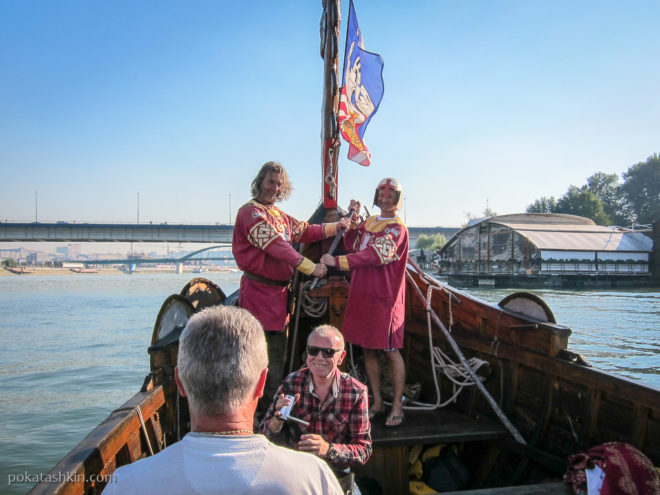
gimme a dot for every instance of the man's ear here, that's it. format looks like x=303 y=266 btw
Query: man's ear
x=341 y=357
x=261 y=383
x=179 y=385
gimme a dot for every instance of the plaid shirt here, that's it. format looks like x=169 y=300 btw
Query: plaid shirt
x=341 y=419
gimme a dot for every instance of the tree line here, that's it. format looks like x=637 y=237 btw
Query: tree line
x=607 y=201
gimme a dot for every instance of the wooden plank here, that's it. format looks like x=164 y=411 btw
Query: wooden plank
x=439 y=426
x=641 y=421
x=588 y=377
x=554 y=488
x=389 y=467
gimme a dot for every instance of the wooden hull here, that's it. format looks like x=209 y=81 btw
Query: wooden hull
x=558 y=406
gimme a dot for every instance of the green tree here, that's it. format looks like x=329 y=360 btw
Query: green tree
x=608 y=189
x=543 y=205
x=641 y=189
x=430 y=242
x=584 y=203
x=9 y=262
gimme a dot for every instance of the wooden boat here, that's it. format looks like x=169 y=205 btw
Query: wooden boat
x=550 y=397
x=19 y=270
x=533 y=402
x=84 y=270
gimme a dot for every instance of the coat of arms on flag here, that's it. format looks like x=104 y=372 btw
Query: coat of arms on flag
x=361 y=92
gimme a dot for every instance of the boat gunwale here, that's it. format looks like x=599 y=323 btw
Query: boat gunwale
x=95 y=454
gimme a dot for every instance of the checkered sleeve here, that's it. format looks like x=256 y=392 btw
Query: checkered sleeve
x=357 y=447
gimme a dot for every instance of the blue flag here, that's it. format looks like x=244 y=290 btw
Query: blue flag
x=361 y=92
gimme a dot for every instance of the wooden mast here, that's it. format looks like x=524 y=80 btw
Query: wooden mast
x=330 y=22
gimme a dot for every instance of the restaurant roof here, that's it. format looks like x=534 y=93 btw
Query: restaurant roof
x=569 y=232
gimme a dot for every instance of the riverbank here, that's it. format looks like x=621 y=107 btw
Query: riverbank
x=38 y=271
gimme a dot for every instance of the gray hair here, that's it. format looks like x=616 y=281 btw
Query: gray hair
x=222 y=352
x=277 y=168
x=327 y=331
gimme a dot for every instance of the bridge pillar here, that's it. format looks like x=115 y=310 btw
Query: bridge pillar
x=179 y=267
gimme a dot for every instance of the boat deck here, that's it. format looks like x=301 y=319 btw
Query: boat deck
x=438 y=426
x=389 y=462
x=553 y=488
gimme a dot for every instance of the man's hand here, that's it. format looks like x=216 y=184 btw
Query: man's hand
x=320 y=270
x=343 y=224
x=276 y=425
x=314 y=444
x=328 y=259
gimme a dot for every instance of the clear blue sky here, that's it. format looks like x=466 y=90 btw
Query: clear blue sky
x=182 y=102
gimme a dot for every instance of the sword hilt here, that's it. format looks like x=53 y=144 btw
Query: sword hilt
x=333 y=246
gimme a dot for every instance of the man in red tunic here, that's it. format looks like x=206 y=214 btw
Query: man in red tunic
x=262 y=247
x=375 y=310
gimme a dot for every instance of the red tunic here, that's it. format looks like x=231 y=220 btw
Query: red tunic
x=262 y=245
x=375 y=309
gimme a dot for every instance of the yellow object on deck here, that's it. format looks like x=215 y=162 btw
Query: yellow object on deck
x=433 y=451
x=414 y=452
x=421 y=488
x=415 y=470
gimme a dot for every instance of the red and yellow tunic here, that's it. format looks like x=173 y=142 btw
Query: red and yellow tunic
x=375 y=309
x=261 y=245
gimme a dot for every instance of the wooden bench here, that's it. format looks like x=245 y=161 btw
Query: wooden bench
x=553 y=488
x=389 y=462
x=438 y=426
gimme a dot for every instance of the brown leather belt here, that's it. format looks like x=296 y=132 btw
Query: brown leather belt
x=263 y=280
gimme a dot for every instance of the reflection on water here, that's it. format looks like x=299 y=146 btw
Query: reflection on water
x=74 y=349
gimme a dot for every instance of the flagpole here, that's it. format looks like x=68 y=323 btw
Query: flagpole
x=330 y=22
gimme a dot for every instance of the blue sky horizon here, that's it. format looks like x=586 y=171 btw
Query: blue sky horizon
x=485 y=103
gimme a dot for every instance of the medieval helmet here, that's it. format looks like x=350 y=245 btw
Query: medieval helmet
x=395 y=185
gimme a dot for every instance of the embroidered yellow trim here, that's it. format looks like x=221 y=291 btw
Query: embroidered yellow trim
x=330 y=229
x=342 y=263
x=306 y=266
x=372 y=224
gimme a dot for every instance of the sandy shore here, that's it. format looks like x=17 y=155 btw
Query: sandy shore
x=55 y=271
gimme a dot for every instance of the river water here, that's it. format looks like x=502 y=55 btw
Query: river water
x=74 y=349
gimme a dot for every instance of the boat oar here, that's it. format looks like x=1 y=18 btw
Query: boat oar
x=500 y=414
x=333 y=246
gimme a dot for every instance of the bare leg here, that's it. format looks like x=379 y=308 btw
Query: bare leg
x=372 y=367
x=397 y=372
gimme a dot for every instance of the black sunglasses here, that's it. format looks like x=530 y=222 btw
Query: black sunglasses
x=327 y=352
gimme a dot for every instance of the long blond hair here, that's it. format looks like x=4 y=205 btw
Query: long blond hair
x=278 y=168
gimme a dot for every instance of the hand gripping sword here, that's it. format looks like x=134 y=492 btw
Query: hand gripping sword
x=333 y=246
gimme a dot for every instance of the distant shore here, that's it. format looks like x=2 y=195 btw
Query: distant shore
x=32 y=271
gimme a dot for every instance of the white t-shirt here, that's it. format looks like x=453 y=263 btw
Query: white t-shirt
x=206 y=464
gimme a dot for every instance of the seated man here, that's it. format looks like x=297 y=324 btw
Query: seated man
x=222 y=367
x=333 y=403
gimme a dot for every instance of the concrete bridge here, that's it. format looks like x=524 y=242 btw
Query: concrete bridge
x=109 y=232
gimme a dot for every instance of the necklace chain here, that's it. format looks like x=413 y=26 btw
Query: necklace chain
x=226 y=433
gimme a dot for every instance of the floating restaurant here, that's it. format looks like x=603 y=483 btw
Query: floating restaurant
x=546 y=250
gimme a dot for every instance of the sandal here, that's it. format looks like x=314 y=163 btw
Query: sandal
x=375 y=414
x=396 y=419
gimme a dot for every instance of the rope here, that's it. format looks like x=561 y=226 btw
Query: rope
x=315 y=307
x=496 y=409
x=143 y=426
x=443 y=363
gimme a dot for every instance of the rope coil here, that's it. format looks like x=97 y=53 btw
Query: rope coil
x=315 y=307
